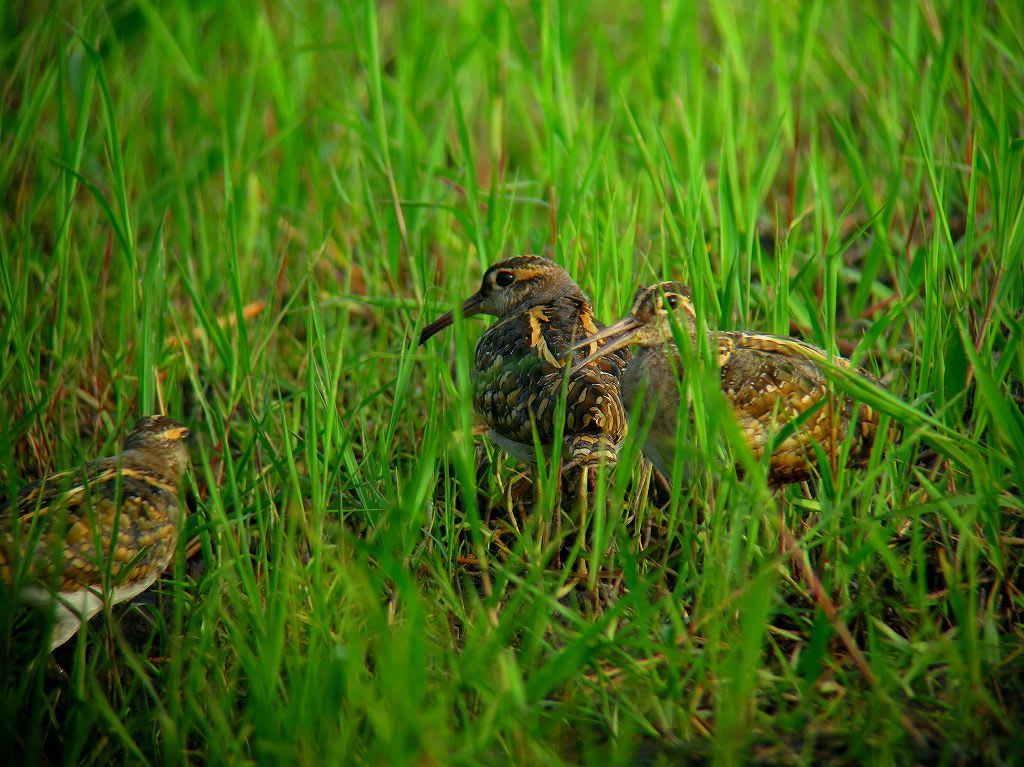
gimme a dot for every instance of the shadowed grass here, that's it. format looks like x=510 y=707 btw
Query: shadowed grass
x=243 y=216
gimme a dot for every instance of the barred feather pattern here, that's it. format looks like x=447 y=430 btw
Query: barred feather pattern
x=520 y=374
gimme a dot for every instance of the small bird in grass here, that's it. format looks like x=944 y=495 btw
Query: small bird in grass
x=768 y=381
x=102 y=532
x=519 y=371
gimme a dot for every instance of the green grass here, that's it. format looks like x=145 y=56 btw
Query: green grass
x=242 y=216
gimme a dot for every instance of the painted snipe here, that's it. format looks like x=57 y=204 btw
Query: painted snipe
x=519 y=371
x=102 y=532
x=769 y=381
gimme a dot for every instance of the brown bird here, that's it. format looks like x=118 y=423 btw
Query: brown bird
x=519 y=373
x=101 y=532
x=769 y=382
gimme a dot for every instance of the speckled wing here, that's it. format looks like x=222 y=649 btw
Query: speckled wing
x=61 y=519
x=773 y=380
x=519 y=374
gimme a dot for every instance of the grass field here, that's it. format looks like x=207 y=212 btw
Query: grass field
x=242 y=216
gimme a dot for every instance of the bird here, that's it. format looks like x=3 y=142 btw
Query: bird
x=520 y=373
x=769 y=382
x=100 y=533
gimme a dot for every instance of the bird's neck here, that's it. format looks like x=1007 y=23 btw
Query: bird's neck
x=667 y=336
x=561 y=301
x=168 y=464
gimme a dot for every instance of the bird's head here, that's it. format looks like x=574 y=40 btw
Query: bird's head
x=510 y=286
x=649 y=322
x=165 y=440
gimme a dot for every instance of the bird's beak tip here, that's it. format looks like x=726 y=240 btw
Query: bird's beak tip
x=470 y=307
x=435 y=327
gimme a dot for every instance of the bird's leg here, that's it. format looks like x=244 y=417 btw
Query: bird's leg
x=782 y=517
x=582 y=483
x=573 y=500
x=553 y=527
x=556 y=511
x=663 y=486
x=643 y=487
x=513 y=498
x=517 y=497
x=583 y=491
x=582 y=508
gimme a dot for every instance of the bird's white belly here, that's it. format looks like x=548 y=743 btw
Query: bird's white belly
x=73 y=608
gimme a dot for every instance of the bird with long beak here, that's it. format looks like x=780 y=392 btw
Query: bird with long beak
x=768 y=381
x=519 y=374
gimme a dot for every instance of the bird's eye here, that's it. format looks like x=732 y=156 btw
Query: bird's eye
x=672 y=299
x=504 y=279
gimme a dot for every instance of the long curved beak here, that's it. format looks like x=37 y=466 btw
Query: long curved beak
x=619 y=334
x=470 y=307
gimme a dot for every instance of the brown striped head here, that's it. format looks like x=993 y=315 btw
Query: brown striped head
x=649 y=322
x=653 y=304
x=161 y=441
x=512 y=286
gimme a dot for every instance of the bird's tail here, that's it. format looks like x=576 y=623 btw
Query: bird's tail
x=592 y=449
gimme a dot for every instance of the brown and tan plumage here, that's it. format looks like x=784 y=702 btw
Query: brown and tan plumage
x=769 y=381
x=106 y=530
x=520 y=365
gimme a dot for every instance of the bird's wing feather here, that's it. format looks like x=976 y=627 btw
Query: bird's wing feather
x=66 y=525
x=520 y=371
x=761 y=372
x=772 y=381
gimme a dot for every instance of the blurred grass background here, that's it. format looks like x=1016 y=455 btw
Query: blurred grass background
x=241 y=214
